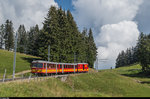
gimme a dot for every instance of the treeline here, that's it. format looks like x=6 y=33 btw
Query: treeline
x=139 y=54
x=67 y=43
x=127 y=57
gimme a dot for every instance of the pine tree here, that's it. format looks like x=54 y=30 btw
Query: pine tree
x=92 y=50
x=2 y=34
x=64 y=36
x=75 y=39
x=50 y=36
x=32 y=43
x=143 y=52
x=61 y=33
x=9 y=35
x=22 y=39
x=85 y=45
x=118 y=61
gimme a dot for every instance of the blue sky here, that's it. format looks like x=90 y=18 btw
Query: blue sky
x=65 y=4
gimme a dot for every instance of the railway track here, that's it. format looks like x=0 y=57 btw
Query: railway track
x=36 y=77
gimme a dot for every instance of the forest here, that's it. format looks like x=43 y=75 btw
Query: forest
x=59 y=31
x=138 y=54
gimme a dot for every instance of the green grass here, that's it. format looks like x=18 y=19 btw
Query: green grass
x=121 y=82
x=22 y=62
x=106 y=83
x=112 y=84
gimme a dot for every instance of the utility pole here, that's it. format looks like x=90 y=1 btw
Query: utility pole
x=74 y=57
x=48 y=53
x=97 y=63
x=48 y=58
x=15 y=49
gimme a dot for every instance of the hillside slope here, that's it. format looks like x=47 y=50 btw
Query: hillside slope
x=22 y=62
x=105 y=83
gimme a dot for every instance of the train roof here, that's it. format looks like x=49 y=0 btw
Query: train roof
x=41 y=61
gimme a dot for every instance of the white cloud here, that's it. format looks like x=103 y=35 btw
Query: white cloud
x=112 y=22
x=95 y=13
x=27 y=12
x=115 y=38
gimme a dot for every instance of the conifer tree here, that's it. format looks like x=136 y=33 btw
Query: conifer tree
x=32 y=43
x=118 y=61
x=75 y=37
x=9 y=35
x=50 y=34
x=66 y=42
x=143 y=52
x=92 y=50
x=2 y=34
x=22 y=39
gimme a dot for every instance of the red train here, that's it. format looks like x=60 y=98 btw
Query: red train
x=44 y=67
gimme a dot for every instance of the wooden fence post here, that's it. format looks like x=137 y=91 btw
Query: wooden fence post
x=22 y=78
x=4 y=76
x=30 y=77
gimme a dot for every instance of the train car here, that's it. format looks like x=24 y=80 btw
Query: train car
x=43 y=67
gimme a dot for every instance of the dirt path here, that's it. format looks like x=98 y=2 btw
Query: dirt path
x=23 y=72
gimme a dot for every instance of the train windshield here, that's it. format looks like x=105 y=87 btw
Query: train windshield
x=37 y=65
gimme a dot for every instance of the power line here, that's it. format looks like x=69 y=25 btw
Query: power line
x=97 y=62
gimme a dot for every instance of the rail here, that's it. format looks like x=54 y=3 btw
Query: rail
x=34 y=77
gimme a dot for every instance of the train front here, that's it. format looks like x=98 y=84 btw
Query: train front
x=37 y=67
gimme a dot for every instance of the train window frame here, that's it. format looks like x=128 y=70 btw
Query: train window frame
x=49 y=66
x=34 y=65
x=76 y=67
x=38 y=66
x=60 y=66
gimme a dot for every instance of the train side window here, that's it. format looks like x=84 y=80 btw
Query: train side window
x=48 y=65
x=44 y=65
x=57 y=66
x=52 y=66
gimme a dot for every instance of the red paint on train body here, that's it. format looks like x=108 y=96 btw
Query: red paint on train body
x=39 y=67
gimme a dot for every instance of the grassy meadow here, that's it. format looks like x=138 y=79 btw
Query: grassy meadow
x=105 y=83
x=121 y=82
x=22 y=62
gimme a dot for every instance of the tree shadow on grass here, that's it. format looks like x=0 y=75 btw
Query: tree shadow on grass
x=31 y=59
x=138 y=74
x=145 y=82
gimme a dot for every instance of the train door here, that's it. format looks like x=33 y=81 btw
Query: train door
x=77 y=68
x=83 y=67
